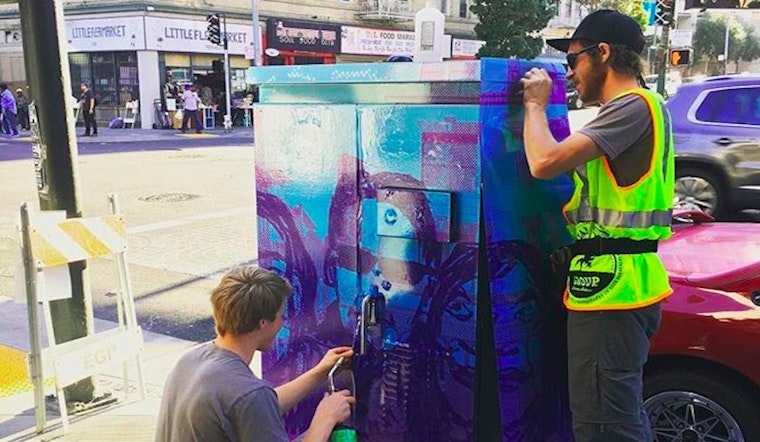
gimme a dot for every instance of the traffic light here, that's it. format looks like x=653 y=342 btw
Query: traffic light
x=664 y=13
x=679 y=57
x=213 y=30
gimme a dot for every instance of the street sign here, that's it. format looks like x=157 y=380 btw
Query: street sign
x=681 y=38
x=651 y=8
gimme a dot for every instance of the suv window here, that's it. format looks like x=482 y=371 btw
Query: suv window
x=733 y=106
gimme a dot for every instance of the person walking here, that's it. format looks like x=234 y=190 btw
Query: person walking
x=190 y=102
x=8 y=104
x=621 y=208
x=22 y=104
x=212 y=394
x=87 y=107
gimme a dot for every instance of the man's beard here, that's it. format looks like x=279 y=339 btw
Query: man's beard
x=594 y=81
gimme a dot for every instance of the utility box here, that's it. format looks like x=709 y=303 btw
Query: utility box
x=397 y=199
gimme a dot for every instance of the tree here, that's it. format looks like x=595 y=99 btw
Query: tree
x=710 y=38
x=632 y=8
x=635 y=10
x=511 y=28
x=749 y=48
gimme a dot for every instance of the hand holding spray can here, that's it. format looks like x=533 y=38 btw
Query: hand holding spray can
x=341 y=433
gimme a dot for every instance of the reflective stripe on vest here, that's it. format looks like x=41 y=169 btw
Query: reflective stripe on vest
x=616 y=218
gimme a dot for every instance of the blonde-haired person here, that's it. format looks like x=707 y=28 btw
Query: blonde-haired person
x=212 y=395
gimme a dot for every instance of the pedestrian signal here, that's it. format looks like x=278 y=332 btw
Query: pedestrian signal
x=213 y=30
x=679 y=57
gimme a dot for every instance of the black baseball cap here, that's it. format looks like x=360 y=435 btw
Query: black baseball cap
x=606 y=26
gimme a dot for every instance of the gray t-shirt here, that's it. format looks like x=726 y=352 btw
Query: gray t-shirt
x=623 y=131
x=212 y=395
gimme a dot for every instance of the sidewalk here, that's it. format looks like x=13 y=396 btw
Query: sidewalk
x=129 y=419
x=106 y=135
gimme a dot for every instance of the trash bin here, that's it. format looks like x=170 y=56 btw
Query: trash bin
x=397 y=199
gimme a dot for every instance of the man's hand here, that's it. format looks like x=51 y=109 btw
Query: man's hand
x=335 y=408
x=92 y=110
x=537 y=87
x=331 y=411
x=331 y=357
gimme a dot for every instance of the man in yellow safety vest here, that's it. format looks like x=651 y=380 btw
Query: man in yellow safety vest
x=621 y=208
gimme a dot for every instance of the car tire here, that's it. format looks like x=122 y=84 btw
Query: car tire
x=704 y=183
x=577 y=103
x=670 y=393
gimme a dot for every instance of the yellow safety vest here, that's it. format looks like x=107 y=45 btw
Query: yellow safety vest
x=600 y=208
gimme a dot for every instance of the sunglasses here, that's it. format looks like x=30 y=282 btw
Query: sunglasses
x=572 y=57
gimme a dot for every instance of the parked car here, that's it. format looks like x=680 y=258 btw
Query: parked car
x=702 y=381
x=572 y=96
x=716 y=127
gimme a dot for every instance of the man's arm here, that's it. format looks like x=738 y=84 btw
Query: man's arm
x=290 y=394
x=548 y=158
x=293 y=392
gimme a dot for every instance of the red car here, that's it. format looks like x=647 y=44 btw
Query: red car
x=702 y=381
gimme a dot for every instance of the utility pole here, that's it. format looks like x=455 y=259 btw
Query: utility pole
x=725 y=49
x=54 y=149
x=256 y=33
x=665 y=17
x=227 y=117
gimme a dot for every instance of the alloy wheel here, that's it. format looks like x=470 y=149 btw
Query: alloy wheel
x=695 y=193
x=682 y=416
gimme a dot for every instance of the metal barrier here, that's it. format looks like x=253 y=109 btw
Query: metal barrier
x=49 y=244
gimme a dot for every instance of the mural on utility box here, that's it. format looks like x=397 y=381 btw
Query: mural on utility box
x=370 y=185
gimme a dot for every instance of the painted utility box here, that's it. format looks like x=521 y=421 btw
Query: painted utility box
x=397 y=199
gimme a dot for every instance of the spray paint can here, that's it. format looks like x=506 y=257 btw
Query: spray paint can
x=341 y=433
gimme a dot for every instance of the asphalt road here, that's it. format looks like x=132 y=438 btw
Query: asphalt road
x=189 y=206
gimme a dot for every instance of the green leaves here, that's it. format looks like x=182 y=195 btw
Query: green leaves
x=511 y=28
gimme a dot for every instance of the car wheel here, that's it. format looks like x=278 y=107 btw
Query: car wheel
x=578 y=104
x=697 y=189
x=688 y=406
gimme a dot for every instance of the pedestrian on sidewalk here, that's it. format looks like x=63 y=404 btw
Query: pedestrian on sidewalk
x=190 y=102
x=622 y=206
x=87 y=105
x=212 y=394
x=8 y=104
x=22 y=104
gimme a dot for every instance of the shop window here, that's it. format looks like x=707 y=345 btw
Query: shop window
x=237 y=80
x=104 y=78
x=126 y=65
x=79 y=65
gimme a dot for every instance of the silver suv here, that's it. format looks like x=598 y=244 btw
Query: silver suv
x=716 y=128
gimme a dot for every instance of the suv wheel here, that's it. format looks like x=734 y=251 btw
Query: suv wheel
x=698 y=189
x=691 y=406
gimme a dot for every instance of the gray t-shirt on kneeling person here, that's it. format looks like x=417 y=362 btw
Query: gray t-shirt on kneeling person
x=211 y=395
